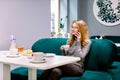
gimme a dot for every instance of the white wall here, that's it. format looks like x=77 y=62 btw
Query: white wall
x=27 y=20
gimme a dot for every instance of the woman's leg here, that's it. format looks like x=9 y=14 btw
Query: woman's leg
x=65 y=70
x=55 y=74
x=45 y=74
x=72 y=70
x=51 y=74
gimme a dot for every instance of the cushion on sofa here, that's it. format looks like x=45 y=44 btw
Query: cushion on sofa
x=91 y=75
x=96 y=75
x=114 y=70
x=49 y=45
x=70 y=78
x=21 y=73
x=101 y=54
x=115 y=39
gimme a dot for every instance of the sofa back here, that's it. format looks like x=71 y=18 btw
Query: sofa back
x=100 y=56
x=115 y=39
x=49 y=45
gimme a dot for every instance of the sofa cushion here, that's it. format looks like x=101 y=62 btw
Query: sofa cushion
x=96 y=75
x=115 y=39
x=114 y=70
x=21 y=73
x=70 y=78
x=49 y=45
x=91 y=75
x=101 y=54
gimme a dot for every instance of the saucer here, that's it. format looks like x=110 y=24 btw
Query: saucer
x=33 y=61
x=12 y=56
x=50 y=54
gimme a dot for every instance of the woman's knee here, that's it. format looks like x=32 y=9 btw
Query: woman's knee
x=56 y=71
x=55 y=74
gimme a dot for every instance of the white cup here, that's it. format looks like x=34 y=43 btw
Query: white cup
x=38 y=56
x=66 y=47
x=29 y=56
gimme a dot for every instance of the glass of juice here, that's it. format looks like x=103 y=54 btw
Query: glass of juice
x=20 y=49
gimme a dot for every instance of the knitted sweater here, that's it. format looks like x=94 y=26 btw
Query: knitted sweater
x=76 y=51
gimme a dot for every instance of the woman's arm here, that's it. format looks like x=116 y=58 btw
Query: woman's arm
x=83 y=52
x=77 y=51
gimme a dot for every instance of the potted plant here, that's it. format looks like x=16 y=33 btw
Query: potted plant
x=62 y=24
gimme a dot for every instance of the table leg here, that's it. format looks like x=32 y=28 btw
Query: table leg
x=32 y=74
x=6 y=72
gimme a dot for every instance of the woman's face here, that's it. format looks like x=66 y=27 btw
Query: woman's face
x=74 y=29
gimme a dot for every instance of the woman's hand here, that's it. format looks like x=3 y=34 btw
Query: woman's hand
x=78 y=37
x=62 y=48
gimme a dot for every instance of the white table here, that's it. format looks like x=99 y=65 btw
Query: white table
x=51 y=62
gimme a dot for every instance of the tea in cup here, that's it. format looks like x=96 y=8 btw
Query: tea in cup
x=38 y=56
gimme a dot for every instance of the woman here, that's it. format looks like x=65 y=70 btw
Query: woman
x=79 y=46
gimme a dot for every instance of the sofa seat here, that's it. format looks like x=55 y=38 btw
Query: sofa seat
x=91 y=75
x=96 y=75
x=21 y=73
x=114 y=70
x=71 y=78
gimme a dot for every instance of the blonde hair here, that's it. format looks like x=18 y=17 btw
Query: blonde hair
x=83 y=29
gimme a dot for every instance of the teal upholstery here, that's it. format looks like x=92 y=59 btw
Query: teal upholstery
x=115 y=39
x=100 y=55
x=97 y=65
x=49 y=45
x=71 y=78
x=114 y=70
x=96 y=75
x=91 y=75
x=21 y=73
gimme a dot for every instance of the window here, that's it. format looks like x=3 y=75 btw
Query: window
x=59 y=18
x=54 y=16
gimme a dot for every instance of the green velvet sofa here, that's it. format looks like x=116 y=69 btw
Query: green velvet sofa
x=99 y=64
